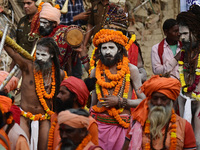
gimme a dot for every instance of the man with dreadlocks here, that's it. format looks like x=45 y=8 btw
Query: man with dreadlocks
x=116 y=78
x=189 y=67
x=40 y=84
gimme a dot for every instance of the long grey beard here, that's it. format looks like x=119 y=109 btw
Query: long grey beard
x=158 y=117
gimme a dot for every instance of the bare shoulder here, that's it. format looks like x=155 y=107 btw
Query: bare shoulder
x=62 y=74
x=93 y=73
x=133 y=68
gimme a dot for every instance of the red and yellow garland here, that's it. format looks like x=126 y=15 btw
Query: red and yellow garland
x=173 y=140
x=117 y=81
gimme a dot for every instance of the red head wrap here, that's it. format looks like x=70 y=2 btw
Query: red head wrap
x=78 y=87
x=167 y=86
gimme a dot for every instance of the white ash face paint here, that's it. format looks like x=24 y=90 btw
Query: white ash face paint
x=109 y=48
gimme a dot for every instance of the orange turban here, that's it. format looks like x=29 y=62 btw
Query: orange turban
x=5 y=104
x=107 y=35
x=12 y=84
x=73 y=120
x=78 y=87
x=50 y=13
x=167 y=86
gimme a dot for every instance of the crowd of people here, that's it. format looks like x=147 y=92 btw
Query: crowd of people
x=116 y=107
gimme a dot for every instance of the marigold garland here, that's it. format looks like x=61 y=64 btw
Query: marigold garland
x=9 y=120
x=133 y=38
x=173 y=139
x=66 y=76
x=84 y=142
x=51 y=135
x=191 y=88
x=106 y=35
x=35 y=117
x=40 y=90
x=118 y=78
x=11 y=43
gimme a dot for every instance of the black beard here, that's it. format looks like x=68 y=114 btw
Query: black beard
x=61 y=106
x=67 y=144
x=186 y=46
x=45 y=31
x=108 y=62
x=44 y=67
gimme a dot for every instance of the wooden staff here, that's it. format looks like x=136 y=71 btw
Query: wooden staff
x=3 y=38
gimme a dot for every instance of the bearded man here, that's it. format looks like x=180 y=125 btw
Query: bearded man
x=116 y=79
x=73 y=93
x=155 y=124
x=40 y=83
x=189 y=68
x=46 y=23
x=73 y=126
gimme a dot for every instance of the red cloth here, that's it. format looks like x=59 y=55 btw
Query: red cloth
x=16 y=112
x=78 y=87
x=189 y=141
x=167 y=86
x=133 y=54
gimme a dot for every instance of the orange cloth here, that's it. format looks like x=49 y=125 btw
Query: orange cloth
x=78 y=87
x=167 y=86
x=93 y=130
x=3 y=133
x=73 y=120
x=50 y=13
x=5 y=104
x=12 y=84
x=107 y=35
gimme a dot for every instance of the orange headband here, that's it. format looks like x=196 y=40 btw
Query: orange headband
x=5 y=104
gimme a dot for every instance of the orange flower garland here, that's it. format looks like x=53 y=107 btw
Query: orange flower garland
x=133 y=38
x=66 y=76
x=173 y=140
x=106 y=35
x=51 y=135
x=41 y=93
x=118 y=78
x=84 y=142
x=40 y=83
x=10 y=119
